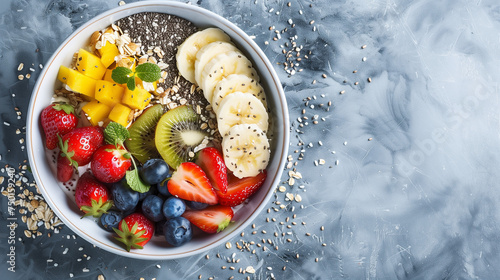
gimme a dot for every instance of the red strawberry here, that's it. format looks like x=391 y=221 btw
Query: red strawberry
x=134 y=231
x=212 y=162
x=110 y=163
x=212 y=219
x=64 y=169
x=189 y=182
x=238 y=190
x=91 y=196
x=57 y=120
x=80 y=144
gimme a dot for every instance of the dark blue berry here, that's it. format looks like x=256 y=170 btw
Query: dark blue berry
x=152 y=190
x=163 y=189
x=154 y=171
x=152 y=208
x=177 y=231
x=110 y=220
x=124 y=198
x=173 y=207
x=196 y=205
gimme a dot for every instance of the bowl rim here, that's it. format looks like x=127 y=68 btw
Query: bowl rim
x=273 y=80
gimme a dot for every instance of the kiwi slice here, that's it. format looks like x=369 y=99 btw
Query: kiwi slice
x=141 y=143
x=177 y=134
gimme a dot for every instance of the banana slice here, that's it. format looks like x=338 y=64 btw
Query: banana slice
x=234 y=83
x=222 y=66
x=186 y=52
x=241 y=108
x=246 y=150
x=206 y=54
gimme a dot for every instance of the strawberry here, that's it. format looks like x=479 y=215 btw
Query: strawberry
x=80 y=144
x=110 y=163
x=134 y=231
x=238 y=190
x=91 y=196
x=64 y=169
x=211 y=161
x=57 y=119
x=190 y=182
x=212 y=219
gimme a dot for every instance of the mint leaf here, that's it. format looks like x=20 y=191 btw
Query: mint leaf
x=135 y=182
x=148 y=72
x=131 y=83
x=121 y=75
x=68 y=109
x=115 y=133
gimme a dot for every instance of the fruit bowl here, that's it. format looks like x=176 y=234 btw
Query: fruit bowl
x=62 y=203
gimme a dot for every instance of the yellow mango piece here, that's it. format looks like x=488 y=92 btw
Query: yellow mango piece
x=76 y=81
x=120 y=114
x=139 y=98
x=107 y=75
x=96 y=111
x=108 y=93
x=108 y=53
x=90 y=65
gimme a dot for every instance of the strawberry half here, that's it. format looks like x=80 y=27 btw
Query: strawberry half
x=80 y=144
x=134 y=231
x=91 y=196
x=238 y=190
x=64 y=169
x=211 y=161
x=57 y=119
x=110 y=163
x=190 y=182
x=212 y=219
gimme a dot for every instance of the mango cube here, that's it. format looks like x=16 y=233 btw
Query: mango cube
x=108 y=53
x=96 y=111
x=90 y=65
x=108 y=93
x=107 y=76
x=139 y=98
x=77 y=81
x=120 y=114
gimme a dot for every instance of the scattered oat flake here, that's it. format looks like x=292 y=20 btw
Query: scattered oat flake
x=121 y=3
x=250 y=269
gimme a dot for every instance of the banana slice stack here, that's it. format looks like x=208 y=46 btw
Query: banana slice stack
x=229 y=82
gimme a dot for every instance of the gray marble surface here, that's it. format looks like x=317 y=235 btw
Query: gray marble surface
x=409 y=184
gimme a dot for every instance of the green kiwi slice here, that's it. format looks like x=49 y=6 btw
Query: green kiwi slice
x=177 y=134
x=141 y=143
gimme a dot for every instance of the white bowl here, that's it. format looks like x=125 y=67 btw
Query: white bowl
x=63 y=205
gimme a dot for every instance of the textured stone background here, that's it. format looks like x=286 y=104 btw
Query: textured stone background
x=409 y=188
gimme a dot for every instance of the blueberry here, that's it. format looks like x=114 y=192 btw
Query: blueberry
x=173 y=207
x=154 y=171
x=196 y=205
x=152 y=190
x=124 y=198
x=110 y=220
x=163 y=189
x=177 y=231
x=151 y=208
